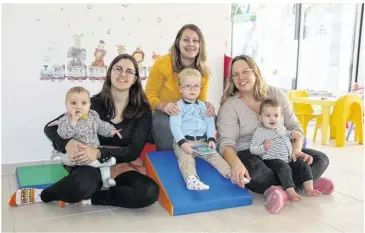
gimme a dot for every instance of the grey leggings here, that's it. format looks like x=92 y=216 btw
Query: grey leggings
x=161 y=131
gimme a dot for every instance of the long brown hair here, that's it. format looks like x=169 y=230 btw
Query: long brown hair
x=260 y=87
x=201 y=58
x=137 y=104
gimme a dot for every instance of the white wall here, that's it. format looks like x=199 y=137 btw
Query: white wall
x=28 y=31
x=361 y=74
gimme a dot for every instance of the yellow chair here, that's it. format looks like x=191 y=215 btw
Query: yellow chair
x=304 y=112
x=347 y=108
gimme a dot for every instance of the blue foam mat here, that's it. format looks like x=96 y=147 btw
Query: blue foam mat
x=222 y=193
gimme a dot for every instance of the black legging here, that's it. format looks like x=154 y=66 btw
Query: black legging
x=132 y=190
x=263 y=177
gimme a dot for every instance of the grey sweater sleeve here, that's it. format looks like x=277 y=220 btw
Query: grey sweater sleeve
x=228 y=126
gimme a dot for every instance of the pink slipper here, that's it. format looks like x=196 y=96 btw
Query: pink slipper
x=324 y=185
x=276 y=199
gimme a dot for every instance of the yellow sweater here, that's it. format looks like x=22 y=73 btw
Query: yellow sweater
x=162 y=83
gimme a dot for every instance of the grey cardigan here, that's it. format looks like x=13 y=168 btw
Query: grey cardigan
x=237 y=122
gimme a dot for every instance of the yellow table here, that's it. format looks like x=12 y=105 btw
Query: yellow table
x=326 y=106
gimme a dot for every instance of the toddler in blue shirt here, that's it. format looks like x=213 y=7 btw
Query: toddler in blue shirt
x=192 y=127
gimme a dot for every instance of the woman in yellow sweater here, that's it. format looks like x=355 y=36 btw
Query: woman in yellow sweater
x=162 y=87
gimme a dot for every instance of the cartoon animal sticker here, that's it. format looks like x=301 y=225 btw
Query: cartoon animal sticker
x=77 y=54
x=139 y=56
x=99 y=54
x=121 y=49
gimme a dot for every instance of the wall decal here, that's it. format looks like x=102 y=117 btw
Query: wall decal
x=76 y=68
x=155 y=56
x=121 y=49
x=99 y=54
x=139 y=56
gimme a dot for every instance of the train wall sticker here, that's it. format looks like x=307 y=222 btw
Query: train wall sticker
x=77 y=70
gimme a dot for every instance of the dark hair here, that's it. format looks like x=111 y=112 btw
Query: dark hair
x=270 y=103
x=137 y=104
x=200 y=60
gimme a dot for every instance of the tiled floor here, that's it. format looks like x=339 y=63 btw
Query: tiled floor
x=341 y=212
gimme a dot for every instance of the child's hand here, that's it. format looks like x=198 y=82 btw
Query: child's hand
x=212 y=145
x=74 y=118
x=267 y=145
x=187 y=148
x=295 y=134
x=117 y=132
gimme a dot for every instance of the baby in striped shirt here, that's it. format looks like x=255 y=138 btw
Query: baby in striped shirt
x=272 y=141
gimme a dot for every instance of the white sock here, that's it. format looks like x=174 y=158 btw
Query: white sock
x=25 y=196
x=88 y=202
x=193 y=183
x=37 y=195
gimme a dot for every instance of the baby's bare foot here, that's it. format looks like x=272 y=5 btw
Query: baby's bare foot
x=293 y=196
x=312 y=193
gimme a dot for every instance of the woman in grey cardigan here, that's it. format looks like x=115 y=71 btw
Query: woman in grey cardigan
x=237 y=121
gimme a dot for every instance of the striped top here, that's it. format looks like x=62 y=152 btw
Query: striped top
x=281 y=147
x=236 y=122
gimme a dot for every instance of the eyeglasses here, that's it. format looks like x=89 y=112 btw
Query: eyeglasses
x=191 y=87
x=128 y=73
x=245 y=72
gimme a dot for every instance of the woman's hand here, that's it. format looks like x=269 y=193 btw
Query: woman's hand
x=210 y=109
x=239 y=172
x=72 y=149
x=86 y=155
x=306 y=158
x=171 y=109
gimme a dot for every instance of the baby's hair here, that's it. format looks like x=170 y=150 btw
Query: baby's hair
x=189 y=72
x=268 y=103
x=101 y=42
x=76 y=90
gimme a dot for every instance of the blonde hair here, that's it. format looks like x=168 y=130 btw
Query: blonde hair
x=260 y=87
x=189 y=72
x=76 y=90
x=201 y=59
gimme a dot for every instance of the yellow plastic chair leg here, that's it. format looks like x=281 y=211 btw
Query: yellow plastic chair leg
x=341 y=134
x=359 y=132
x=315 y=131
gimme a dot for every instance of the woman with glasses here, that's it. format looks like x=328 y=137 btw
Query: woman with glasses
x=123 y=104
x=162 y=89
x=237 y=121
